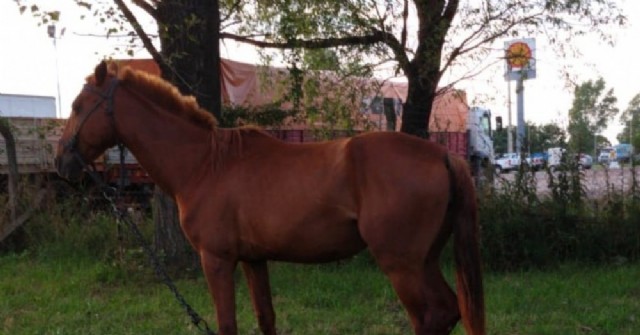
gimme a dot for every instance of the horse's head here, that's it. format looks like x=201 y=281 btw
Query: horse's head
x=90 y=129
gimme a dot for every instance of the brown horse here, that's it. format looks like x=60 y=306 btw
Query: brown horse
x=244 y=196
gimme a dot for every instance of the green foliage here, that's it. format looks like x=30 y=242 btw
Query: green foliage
x=630 y=120
x=80 y=227
x=522 y=230
x=590 y=113
x=266 y=116
x=88 y=278
x=538 y=138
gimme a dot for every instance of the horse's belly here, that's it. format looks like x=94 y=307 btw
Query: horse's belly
x=314 y=243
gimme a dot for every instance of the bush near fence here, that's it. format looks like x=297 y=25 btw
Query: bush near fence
x=523 y=230
x=520 y=229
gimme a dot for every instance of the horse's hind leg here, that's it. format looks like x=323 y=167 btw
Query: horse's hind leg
x=257 y=274
x=443 y=311
x=428 y=299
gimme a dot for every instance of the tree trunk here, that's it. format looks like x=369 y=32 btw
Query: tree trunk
x=417 y=108
x=389 y=113
x=423 y=71
x=168 y=239
x=191 y=49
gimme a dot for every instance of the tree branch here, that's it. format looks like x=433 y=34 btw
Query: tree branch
x=147 y=7
x=451 y=10
x=405 y=15
x=373 y=38
x=376 y=36
x=464 y=46
x=235 y=5
x=146 y=41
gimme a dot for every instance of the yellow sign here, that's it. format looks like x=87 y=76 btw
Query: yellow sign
x=518 y=55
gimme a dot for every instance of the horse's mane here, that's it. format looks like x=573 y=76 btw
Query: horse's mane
x=166 y=94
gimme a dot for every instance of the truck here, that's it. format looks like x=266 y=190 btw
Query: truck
x=480 y=150
x=464 y=130
x=623 y=152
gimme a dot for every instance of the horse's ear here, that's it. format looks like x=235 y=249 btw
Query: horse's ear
x=100 y=73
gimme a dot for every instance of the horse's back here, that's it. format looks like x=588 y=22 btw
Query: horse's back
x=399 y=159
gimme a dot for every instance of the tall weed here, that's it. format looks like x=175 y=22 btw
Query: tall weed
x=522 y=229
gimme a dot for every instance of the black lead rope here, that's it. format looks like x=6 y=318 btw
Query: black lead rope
x=122 y=217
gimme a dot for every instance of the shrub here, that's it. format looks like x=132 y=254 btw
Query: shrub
x=522 y=230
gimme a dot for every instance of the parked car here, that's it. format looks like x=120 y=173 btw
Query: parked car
x=556 y=162
x=624 y=152
x=507 y=162
x=584 y=161
x=538 y=160
x=511 y=161
x=605 y=155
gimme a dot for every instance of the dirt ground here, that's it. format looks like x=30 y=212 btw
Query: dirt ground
x=597 y=181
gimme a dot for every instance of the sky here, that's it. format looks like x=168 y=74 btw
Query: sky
x=31 y=64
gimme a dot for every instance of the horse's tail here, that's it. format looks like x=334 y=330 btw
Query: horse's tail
x=464 y=217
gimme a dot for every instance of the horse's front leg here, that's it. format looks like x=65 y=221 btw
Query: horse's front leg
x=257 y=274
x=219 y=274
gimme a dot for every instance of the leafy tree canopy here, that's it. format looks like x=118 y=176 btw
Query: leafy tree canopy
x=538 y=138
x=592 y=109
x=421 y=39
x=630 y=119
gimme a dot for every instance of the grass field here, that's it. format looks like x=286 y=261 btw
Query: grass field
x=78 y=296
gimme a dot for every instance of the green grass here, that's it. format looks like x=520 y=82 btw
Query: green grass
x=75 y=295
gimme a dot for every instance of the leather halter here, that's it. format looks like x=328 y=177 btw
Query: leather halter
x=71 y=145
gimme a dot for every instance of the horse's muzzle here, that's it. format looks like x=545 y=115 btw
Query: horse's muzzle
x=69 y=167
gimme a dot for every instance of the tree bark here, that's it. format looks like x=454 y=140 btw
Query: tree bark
x=389 y=114
x=417 y=108
x=423 y=71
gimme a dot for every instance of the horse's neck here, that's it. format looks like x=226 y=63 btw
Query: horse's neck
x=173 y=150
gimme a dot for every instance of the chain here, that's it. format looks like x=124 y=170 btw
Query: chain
x=161 y=273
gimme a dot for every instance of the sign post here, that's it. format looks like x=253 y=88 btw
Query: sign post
x=520 y=65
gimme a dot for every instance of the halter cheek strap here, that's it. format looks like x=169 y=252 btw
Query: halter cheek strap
x=71 y=145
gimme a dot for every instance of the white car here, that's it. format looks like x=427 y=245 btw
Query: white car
x=554 y=162
x=605 y=155
x=507 y=162
x=584 y=161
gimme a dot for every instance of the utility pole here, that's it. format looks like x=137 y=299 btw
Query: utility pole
x=51 y=31
x=509 y=135
x=521 y=66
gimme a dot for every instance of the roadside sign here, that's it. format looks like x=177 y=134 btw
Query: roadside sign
x=520 y=59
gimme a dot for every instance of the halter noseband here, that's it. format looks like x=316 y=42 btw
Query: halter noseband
x=72 y=144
